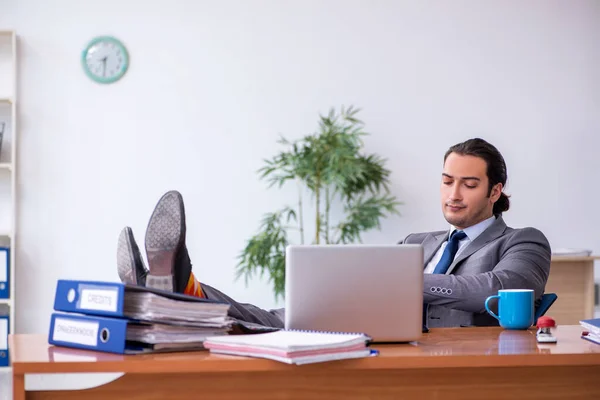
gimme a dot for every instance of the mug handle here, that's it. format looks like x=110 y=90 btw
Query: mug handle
x=487 y=308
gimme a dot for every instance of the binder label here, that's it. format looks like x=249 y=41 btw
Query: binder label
x=3 y=333
x=99 y=299
x=80 y=332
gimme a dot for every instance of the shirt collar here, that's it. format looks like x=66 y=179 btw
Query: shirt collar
x=477 y=229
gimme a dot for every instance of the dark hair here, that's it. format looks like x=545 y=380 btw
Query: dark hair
x=496 y=167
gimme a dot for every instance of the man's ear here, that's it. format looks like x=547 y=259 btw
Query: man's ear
x=496 y=192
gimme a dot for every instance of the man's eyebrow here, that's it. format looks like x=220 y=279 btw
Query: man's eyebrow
x=464 y=178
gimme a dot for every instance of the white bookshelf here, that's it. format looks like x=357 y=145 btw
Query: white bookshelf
x=8 y=164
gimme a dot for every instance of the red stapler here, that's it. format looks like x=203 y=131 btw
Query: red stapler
x=544 y=333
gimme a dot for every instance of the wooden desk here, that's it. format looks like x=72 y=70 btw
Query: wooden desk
x=451 y=363
x=572 y=279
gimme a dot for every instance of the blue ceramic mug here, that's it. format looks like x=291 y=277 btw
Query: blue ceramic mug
x=515 y=308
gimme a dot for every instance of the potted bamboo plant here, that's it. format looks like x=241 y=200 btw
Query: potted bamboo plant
x=331 y=166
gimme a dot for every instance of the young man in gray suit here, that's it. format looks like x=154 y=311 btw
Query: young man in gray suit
x=464 y=265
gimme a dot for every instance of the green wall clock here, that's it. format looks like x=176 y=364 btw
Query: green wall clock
x=105 y=59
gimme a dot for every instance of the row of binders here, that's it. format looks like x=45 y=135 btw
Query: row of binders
x=127 y=319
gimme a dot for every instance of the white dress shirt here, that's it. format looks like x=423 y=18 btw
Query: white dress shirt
x=472 y=232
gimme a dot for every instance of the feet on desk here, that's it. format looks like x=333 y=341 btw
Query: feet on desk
x=130 y=265
x=170 y=267
x=165 y=239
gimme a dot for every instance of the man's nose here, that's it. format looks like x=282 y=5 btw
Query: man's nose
x=455 y=194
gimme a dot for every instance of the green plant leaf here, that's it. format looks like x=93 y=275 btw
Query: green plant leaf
x=265 y=251
x=364 y=214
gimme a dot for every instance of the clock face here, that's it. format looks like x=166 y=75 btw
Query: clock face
x=105 y=60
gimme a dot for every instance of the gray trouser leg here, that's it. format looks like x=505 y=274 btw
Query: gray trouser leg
x=247 y=313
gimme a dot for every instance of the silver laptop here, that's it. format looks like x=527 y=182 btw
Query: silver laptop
x=371 y=289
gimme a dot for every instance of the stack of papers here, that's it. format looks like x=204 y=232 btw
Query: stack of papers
x=592 y=329
x=562 y=251
x=293 y=347
x=163 y=333
x=154 y=307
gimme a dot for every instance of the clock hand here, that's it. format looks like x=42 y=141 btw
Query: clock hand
x=104 y=64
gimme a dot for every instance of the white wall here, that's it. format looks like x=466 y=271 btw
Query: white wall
x=213 y=84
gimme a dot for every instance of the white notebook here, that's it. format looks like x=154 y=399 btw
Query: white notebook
x=293 y=347
x=290 y=340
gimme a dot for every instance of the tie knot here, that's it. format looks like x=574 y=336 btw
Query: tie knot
x=458 y=235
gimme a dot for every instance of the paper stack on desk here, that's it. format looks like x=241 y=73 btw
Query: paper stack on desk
x=293 y=347
x=152 y=305
x=570 y=252
x=591 y=329
x=120 y=318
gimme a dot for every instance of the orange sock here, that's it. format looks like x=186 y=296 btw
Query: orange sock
x=193 y=287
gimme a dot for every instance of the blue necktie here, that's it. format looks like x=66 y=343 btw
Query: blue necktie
x=449 y=252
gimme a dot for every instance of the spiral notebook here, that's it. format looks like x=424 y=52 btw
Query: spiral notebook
x=293 y=347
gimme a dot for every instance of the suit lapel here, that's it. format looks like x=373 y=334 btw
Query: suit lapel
x=494 y=231
x=431 y=245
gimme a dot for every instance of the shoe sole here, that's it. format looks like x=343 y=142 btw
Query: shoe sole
x=163 y=238
x=125 y=259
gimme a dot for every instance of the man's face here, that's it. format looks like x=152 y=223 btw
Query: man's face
x=464 y=191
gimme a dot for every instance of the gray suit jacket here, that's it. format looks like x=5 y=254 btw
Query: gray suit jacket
x=500 y=258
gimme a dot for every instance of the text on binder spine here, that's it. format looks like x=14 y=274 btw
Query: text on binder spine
x=80 y=332
x=99 y=299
